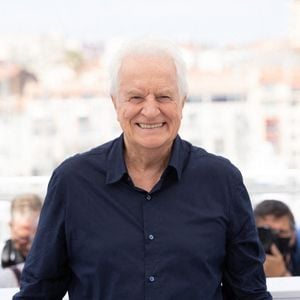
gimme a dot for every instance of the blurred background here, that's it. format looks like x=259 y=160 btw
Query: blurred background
x=243 y=61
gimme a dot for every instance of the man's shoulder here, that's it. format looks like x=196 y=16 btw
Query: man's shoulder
x=203 y=156
x=211 y=162
x=95 y=157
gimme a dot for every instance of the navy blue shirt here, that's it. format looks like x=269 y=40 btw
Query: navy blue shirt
x=193 y=237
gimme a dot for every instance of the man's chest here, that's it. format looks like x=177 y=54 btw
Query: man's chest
x=116 y=226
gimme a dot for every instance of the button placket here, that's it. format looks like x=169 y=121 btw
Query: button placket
x=151 y=246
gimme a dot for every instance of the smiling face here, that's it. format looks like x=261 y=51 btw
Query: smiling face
x=148 y=102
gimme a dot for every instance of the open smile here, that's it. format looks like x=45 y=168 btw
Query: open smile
x=151 y=126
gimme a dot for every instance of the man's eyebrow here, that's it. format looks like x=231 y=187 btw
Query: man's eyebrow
x=134 y=92
x=165 y=91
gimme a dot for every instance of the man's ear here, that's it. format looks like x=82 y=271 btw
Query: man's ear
x=184 y=100
x=11 y=227
x=113 y=98
x=293 y=239
x=114 y=101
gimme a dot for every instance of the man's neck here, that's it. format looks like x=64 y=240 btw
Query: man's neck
x=145 y=166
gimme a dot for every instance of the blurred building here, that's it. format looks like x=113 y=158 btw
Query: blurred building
x=249 y=101
x=14 y=79
x=243 y=103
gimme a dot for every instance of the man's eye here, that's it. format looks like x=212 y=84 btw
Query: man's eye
x=164 y=97
x=136 y=98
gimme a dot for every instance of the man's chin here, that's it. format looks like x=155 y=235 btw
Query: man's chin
x=153 y=146
x=153 y=142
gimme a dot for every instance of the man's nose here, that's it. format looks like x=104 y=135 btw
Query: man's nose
x=150 y=107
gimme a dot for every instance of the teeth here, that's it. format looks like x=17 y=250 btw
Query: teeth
x=150 y=126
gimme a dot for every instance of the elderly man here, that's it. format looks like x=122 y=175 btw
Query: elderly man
x=147 y=215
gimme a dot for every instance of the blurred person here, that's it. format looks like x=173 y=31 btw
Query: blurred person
x=147 y=215
x=277 y=230
x=25 y=211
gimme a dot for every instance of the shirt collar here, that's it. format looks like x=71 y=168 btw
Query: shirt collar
x=116 y=167
x=178 y=156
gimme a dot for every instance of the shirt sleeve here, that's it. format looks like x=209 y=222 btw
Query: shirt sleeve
x=243 y=276
x=46 y=274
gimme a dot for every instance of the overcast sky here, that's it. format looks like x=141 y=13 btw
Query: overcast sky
x=216 y=22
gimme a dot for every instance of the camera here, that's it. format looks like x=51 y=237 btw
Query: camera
x=269 y=236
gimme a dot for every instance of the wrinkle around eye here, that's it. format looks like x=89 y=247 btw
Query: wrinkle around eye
x=164 y=98
x=136 y=99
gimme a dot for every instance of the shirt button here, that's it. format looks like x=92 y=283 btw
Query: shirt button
x=151 y=278
x=151 y=237
x=148 y=197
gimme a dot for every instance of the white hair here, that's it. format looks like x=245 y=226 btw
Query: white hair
x=148 y=47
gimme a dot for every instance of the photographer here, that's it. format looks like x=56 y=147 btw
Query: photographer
x=278 y=234
x=25 y=211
